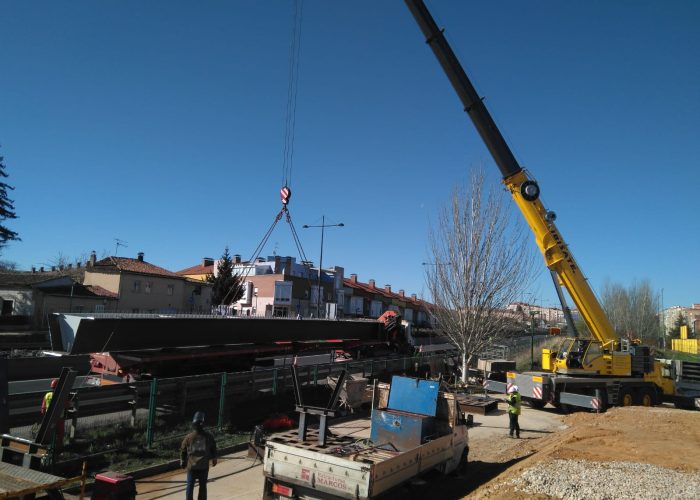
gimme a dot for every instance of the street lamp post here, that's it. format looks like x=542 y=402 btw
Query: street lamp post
x=532 y=339
x=323 y=226
x=663 y=321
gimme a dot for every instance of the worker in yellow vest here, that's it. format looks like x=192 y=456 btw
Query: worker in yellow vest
x=60 y=426
x=513 y=400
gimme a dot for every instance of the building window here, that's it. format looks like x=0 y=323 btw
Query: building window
x=171 y=289
x=7 y=307
x=137 y=286
x=148 y=287
x=78 y=309
x=99 y=308
x=135 y=310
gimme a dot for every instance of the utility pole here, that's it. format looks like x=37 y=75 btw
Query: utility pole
x=663 y=321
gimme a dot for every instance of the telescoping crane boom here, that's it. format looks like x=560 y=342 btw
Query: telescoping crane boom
x=524 y=189
x=594 y=373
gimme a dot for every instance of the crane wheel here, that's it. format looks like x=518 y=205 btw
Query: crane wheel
x=626 y=397
x=647 y=398
x=537 y=404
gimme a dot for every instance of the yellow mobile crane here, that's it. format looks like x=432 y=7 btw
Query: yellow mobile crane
x=592 y=373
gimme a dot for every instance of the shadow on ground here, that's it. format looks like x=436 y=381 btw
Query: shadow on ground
x=433 y=485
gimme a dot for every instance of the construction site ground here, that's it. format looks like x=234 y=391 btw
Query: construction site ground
x=554 y=452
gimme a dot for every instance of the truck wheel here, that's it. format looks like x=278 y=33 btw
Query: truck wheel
x=626 y=397
x=564 y=408
x=537 y=404
x=647 y=398
x=463 y=463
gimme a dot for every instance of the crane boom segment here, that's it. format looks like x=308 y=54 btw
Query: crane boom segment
x=524 y=190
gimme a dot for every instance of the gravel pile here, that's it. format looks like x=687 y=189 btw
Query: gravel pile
x=576 y=479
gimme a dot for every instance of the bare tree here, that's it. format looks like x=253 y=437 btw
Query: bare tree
x=633 y=311
x=61 y=261
x=481 y=263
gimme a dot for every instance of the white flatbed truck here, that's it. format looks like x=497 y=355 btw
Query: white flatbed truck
x=404 y=445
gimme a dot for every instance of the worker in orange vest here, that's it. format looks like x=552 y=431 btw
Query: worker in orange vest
x=60 y=425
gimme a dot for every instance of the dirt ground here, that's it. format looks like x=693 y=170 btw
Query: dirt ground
x=662 y=436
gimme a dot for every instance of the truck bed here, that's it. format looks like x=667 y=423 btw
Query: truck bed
x=346 y=467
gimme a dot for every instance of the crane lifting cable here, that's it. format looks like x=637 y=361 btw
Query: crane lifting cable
x=290 y=118
x=288 y=146
x=256 y=253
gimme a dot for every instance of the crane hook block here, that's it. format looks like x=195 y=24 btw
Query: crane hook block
x=285 y=195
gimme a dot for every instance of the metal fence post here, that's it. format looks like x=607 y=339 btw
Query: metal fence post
x=134 y=405
x=152 y=399
x=274 y=382
x=222 y=400
x=73 y=412
x=315 y=375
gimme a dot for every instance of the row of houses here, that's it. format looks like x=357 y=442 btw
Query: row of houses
x=276 y=286
x=281 y=286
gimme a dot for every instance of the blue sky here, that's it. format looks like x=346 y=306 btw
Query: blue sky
x=162 y=124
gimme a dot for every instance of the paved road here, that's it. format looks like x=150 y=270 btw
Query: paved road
x=239 y=477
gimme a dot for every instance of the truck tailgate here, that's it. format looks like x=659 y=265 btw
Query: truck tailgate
x=361 y=474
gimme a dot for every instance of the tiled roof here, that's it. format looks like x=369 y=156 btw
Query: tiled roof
x=198 y=269
x=127 y=264
x=381 y=291
x=101 y=292
x=28 y=278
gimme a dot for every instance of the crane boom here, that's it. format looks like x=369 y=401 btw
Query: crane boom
x=524 y=190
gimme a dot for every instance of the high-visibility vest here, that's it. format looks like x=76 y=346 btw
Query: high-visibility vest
x=47 y=401
x=514 y=406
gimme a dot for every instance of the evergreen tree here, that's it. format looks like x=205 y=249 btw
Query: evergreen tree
x=680 y=320
x=7 y=209
x=227 y=286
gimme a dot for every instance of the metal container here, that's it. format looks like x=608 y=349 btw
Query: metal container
x=403 y=430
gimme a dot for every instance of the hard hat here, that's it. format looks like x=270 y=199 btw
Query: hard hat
x=198 y=418
x=54 y=383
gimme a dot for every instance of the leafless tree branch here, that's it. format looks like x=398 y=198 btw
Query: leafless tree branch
x=481 y=263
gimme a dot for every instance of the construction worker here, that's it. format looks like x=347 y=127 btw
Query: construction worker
x=513 y=400
x=197 y=449
x=60 y=426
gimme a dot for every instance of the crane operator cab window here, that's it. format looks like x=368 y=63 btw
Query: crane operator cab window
x=577 y=352
x=594 y=351
x=574 y=352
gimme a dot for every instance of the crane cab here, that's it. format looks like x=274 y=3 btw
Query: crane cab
x=586 y=357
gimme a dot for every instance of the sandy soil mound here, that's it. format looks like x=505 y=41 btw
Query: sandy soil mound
x=665 y=438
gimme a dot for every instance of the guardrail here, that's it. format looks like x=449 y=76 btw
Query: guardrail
x=172 y=395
